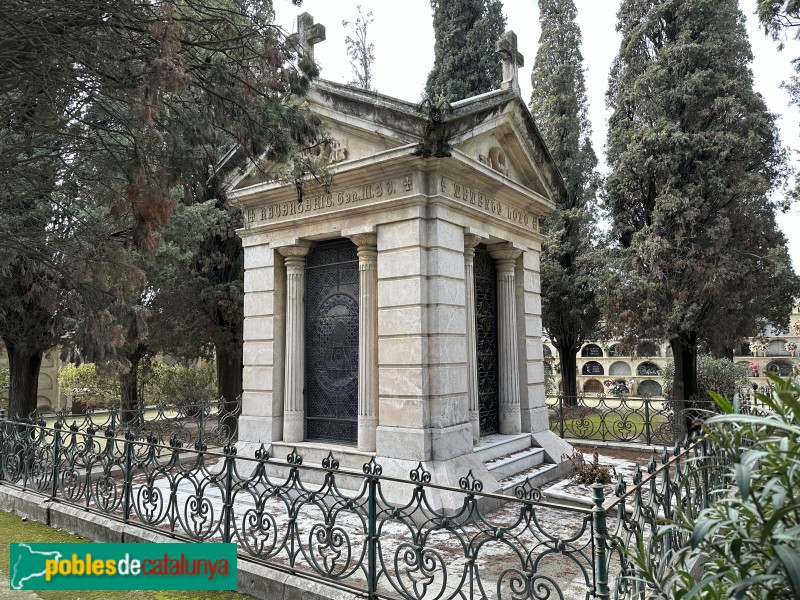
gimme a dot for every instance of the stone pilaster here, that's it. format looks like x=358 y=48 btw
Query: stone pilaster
x=367 y=339
x=505 y=262
x=293 y=401
x=470 y=241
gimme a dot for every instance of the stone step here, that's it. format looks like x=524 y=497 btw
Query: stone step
x=494 y=446
x=537 y=476
x=511 y=464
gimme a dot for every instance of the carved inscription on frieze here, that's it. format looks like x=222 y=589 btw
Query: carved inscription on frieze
x=334 y=199
x=488 y=204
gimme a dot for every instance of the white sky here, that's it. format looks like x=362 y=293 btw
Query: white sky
x=403 y=36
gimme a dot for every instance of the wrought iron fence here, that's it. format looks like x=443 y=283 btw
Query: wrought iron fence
x=211 y=423
x=628 y=419
x=358 y=530
x=686 y=480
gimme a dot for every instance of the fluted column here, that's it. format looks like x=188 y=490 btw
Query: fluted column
x=470 y=241
x=505 y=262
x=367 y=339
x=294 y=380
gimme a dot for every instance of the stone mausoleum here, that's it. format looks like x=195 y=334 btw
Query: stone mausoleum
x=396 y=313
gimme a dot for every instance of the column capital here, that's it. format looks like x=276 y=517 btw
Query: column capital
x=504 y=252
x=471 y=240
x=295 y=250
x=369 y=240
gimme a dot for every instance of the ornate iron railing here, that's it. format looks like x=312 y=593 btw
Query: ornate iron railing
x=362 y=531
x=628 y=419
x=686 y=480
x=212 y=423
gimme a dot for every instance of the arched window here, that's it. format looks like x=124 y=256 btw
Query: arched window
x=593 y=368
x=648 y=349
x=591 y=350
x=619 y=368
x=648 y=368
x=779 y=367
x=546 y=350
x=593 y=386
x=651 y=388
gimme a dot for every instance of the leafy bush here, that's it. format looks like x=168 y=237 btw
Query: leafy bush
x=86 y=387
x=183 y=385
x=719 y=375
x=748 y=540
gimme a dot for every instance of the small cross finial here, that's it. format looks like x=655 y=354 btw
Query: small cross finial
x=512 y=60
x=308 y=34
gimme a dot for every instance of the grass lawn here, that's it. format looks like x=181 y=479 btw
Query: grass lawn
x=13 y=529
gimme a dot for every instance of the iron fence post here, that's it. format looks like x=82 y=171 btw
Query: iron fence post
x=372 y=539
x=561 y=415
x=647 y=432
x=600 y=541
x=127 y=477
x=3 y=425
x=706 y=462
x=56 y=458
x=230 y=456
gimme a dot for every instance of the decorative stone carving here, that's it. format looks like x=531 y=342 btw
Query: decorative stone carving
x=308 y=34
x=512 y=61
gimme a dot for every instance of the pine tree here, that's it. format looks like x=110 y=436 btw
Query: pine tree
x=570 y=312
x=694 y=156
x=466 y=33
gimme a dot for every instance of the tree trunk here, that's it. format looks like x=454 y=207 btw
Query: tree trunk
x=229 y=382
x=568 y=357
x=129 y=388
x=685 y=390
x=24 y=379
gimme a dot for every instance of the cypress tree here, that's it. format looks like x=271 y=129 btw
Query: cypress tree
x=694 y=156
x=570 y=313
x=466 y=34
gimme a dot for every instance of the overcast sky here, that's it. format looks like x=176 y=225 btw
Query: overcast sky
x=403 y=36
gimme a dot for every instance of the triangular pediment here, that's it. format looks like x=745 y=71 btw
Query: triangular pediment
x=494 y=132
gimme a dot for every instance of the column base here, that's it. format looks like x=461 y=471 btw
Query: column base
x=294 y=427
x=475 y=421
x=366 y=433
x=510 y=420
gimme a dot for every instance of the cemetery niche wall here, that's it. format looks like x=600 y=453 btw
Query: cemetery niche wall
x=397 y=313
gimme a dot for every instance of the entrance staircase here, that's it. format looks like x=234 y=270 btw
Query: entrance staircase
x=511 y=459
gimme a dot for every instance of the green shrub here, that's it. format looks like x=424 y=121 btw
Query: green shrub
x=182 y=385
x=719 y=375
x=748 y=540
x=86 y=387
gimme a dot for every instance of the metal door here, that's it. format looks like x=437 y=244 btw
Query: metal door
x=486 y=340
x=331 y=315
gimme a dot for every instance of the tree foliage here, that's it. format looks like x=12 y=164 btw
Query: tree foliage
x=110 y=116
x=569 y=266
x=360 y=50
x=694 y=156
x=718 y=375
x=466 y=34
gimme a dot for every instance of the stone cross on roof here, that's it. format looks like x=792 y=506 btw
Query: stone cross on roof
x=512 y=60
x=308 y=34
